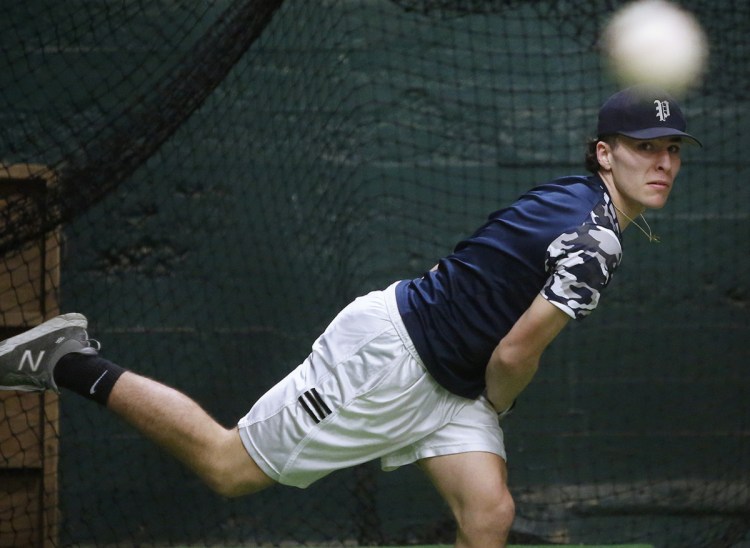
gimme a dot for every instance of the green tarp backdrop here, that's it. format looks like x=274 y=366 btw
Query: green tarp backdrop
x=233 y=173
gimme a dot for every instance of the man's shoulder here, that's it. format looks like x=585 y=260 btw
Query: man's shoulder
x=562 y=203
x=577 y=200
x=580 y=189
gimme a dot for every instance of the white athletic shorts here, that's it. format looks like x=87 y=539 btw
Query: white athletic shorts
x=363 y=394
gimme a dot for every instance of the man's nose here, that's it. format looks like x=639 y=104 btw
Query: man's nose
x=664 y=160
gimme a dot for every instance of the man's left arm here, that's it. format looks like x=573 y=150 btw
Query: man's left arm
x=515 y=360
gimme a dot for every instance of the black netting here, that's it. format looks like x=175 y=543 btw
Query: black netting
x=221 y=177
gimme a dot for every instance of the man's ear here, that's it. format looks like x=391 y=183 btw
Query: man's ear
x=603 y=155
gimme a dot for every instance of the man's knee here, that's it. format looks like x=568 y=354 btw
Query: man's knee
x=487 y=520
x=220 y=480
x=230 y=471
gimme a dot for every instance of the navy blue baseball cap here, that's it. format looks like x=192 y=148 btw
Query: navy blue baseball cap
x=643 y=112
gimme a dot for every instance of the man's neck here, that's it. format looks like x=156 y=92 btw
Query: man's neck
x=627 y=210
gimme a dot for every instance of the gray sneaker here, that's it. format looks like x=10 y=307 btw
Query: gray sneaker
x=27 y=360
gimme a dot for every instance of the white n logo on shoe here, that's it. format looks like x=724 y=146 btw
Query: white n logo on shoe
x=28 y=358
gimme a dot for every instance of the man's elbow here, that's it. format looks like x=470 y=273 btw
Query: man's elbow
x=509 y=361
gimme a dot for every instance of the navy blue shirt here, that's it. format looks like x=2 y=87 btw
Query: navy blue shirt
x=560 y=239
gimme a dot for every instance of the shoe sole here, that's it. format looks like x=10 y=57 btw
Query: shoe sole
x=61 y=324
x=72 y=319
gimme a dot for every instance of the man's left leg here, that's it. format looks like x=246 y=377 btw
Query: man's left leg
x=475 y=487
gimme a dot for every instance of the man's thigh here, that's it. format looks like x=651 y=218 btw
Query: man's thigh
x=469 y=426
x=463 y=478
x=359 y=394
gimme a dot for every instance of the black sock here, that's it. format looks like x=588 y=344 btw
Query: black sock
x=92 y=377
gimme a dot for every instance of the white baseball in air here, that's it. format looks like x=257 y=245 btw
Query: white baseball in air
x=656 y=42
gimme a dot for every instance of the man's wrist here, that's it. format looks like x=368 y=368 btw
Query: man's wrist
x=508 y=411
x=505 y=412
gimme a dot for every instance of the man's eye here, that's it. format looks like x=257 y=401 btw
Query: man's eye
x=674 y=149
x=645 y=145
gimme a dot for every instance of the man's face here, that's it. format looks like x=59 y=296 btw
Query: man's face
x=642 y=171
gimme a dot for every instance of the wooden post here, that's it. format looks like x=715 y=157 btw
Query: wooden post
x=29 y=283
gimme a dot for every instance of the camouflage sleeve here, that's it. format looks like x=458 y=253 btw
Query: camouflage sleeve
x=581 y=264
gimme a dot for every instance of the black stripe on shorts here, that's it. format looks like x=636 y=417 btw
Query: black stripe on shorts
x=314 y=405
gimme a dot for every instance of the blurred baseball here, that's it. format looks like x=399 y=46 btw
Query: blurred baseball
x=656 y=42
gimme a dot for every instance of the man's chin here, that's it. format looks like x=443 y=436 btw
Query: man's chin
x=656 y=203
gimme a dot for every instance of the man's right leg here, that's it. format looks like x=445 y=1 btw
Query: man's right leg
x=59 y=353
x=182 y=428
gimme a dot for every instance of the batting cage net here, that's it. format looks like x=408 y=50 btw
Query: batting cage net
x=210 y=182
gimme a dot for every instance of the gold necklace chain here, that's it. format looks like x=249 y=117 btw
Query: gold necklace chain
x=650 y=235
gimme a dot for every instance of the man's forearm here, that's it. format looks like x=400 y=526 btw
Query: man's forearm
x=515 y=360
x=506 y=381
